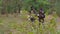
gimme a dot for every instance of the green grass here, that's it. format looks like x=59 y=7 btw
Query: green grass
x=58 y=32
x=26 y=27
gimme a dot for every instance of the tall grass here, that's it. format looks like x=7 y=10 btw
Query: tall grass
x=26 y=27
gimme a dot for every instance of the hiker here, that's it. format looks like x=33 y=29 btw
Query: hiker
x=41 y=16
x=32 y=14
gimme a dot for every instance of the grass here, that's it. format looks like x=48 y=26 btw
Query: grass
x=26 y=27
x=58 y=32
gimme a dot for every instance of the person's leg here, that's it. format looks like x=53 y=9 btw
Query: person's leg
x=43 y=20
x=32 y=19
x=39 y=21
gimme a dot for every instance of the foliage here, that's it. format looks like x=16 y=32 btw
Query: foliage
x=13 y=5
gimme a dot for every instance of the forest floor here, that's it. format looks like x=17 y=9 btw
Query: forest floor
x=13 y=25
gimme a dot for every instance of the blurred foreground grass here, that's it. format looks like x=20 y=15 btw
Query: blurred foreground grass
x=22 y=26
